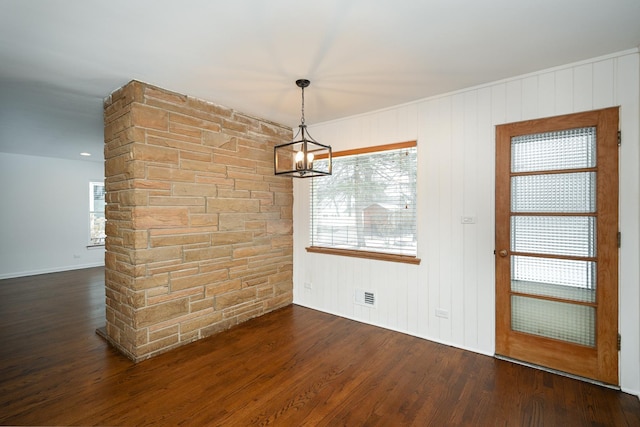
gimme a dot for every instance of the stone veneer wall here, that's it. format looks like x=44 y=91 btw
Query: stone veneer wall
x=199 y=230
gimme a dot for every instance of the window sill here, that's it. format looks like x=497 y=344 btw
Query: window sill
x=379 y=256
x=95 y=246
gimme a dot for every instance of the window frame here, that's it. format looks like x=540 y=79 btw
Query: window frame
x=360 y=253
x=92 y=211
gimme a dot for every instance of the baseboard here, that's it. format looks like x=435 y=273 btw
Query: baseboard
x=556 y=372
x=50 y=270
x=631 y=392
x=427 y=338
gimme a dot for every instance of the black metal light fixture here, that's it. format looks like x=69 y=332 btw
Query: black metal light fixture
x=304 y=157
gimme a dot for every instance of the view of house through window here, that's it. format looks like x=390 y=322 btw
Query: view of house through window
x=96 y=214
x=369 y=202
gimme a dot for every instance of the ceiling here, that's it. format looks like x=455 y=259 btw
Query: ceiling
x=60 y=58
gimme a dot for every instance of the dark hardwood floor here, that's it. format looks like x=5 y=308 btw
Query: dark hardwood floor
x=293 y=367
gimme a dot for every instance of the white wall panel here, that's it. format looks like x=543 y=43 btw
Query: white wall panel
x=443 y=153
x=583 y=87
x=564 y=91
x=530 y=97
x=546 y=94
x=456 y=165
x=603 y=81
x=388 y=128
x=627 y=89
x=414 y=296
x=427 y=212
x=498 y=104
x=485 y=228
x=470 y=198
x=454 y=231
x=408 y=123
x=514 y=101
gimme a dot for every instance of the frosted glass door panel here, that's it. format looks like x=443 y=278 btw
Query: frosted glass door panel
x=565 y=192
x=555 y=235
x=562 y=272
x=568 y=322
x=567 y=149
x=554 y=291
x=554 y=179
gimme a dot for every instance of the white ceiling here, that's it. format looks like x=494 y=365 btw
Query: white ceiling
x=60 y=58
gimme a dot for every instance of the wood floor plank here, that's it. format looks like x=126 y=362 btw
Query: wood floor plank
x=292 y=367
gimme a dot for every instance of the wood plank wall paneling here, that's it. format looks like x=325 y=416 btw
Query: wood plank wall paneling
x=456 y=150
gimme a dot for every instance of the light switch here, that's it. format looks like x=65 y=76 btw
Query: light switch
x=468 y=220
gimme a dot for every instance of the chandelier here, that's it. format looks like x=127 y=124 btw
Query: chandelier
x=303 y=157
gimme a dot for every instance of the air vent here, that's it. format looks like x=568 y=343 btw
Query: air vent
x=366 y=298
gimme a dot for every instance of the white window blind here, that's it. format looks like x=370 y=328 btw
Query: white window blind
x=368 y=203
x=97 y=219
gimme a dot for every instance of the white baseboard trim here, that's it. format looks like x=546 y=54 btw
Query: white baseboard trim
x=449 y=344
x=631 y=392
x=635 y=393
x=50 y=270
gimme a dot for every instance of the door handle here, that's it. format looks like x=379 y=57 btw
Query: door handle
x=503 y=253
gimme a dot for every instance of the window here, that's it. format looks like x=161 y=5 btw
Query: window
x=96 y=214
x=368 y=205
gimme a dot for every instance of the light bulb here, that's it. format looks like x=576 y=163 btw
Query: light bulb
x=299 y=159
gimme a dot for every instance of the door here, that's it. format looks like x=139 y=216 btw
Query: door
x=557 y=243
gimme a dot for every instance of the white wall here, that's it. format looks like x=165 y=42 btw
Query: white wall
x=44 y=215
x=456 y=150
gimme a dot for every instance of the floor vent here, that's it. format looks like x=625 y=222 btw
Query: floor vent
x=366 y=298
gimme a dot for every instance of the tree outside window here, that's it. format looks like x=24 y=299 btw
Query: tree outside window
x=368 y=203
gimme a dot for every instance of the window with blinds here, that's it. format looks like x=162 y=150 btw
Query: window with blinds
x=97 y=221
x=369 y=202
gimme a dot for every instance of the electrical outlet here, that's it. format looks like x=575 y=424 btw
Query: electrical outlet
x=444 y=314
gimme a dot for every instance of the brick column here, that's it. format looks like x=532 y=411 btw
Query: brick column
x=199 y=230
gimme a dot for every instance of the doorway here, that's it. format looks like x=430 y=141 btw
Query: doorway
x=557 y=243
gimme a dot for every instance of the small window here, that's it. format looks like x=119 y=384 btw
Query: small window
x=369 y=202
x=96 y=214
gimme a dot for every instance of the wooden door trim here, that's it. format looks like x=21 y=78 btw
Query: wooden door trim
x=503 y=210
x=607 y=238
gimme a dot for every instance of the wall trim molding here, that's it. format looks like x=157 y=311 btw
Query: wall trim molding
x=50 y=270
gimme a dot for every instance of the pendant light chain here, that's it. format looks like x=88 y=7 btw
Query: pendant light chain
x=302 y=120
